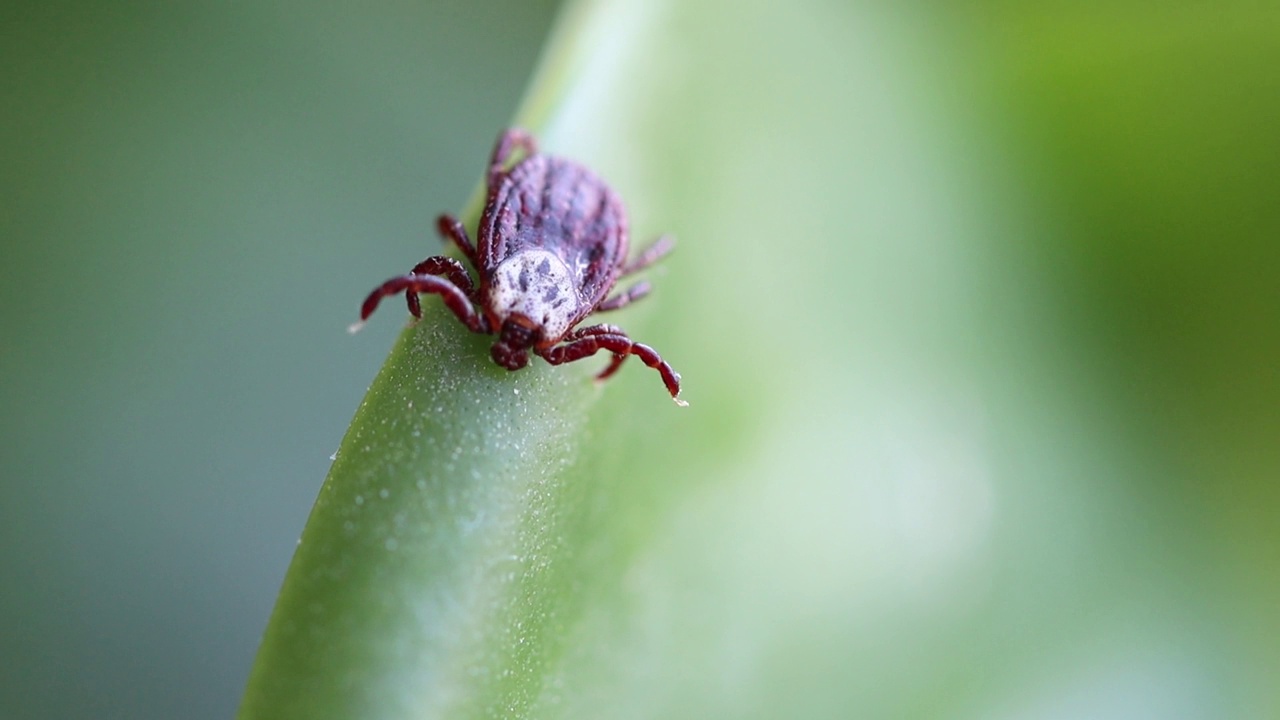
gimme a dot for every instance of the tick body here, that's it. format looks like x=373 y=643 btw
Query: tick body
x=551 y=246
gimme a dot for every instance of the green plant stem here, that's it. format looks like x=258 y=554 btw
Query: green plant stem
x=422 y=579
x=430 y=575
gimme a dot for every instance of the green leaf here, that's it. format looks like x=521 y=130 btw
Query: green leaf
x=436 y=574
x=427 y=577
x=913 y=481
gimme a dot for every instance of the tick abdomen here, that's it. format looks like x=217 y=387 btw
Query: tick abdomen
x=557 y=205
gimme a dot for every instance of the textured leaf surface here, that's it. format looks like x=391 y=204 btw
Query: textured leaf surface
x=905 y=485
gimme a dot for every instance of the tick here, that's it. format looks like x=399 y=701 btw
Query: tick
x=551 y=245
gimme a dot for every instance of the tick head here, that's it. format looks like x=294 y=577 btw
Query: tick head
x=517 y=335
x=535 y=290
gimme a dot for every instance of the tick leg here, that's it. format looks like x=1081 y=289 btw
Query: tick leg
x=602 y=330
x=650 y=255
x=618 y=344
x=454 y=299
x=626 y=297
x=452 y=229
x=439 y=265
x=510 y=139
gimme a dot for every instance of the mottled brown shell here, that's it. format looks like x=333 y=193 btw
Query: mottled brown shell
x=552 y=204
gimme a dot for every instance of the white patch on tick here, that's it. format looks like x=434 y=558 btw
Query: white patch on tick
x=538 y=285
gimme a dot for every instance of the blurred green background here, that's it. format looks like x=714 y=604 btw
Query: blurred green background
x=976 y=308
x=196 y=197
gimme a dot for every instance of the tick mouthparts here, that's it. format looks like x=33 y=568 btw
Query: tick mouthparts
x=680 y=402
x=355 y=327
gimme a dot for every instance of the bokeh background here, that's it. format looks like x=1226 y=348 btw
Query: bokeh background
x=195 y=199
x=1031 y=460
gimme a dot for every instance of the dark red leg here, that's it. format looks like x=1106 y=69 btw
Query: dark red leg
x=626 y=297
x=650 y=255
x=452 y=229
x=439 y=265
x=509 y=140
x=618 y=344
x=454 y=299
x=602 y=330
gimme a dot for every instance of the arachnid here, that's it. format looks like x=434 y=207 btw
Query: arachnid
x=551 y=244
